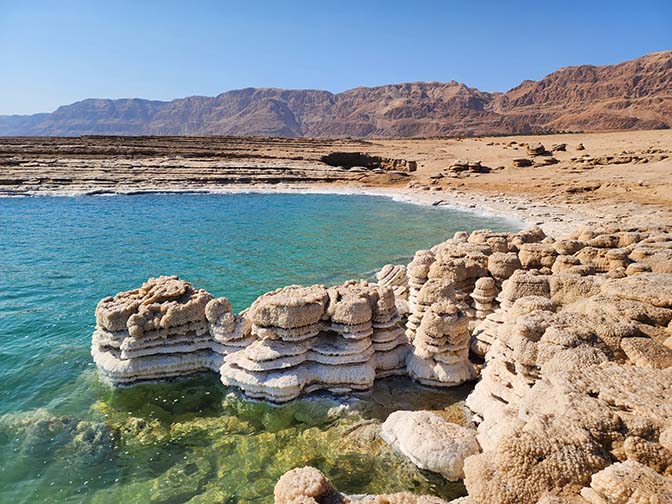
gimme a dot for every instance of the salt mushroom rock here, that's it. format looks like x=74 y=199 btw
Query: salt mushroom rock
x=158 y=331
x=432 y=291
x=313 y=338
x=430 y=442
x=417 y=271
x=484 y=295
x=440 y=348
x=502 y=265
x=521 y=284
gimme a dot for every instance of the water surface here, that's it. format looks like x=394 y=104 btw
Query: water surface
x=66 y=437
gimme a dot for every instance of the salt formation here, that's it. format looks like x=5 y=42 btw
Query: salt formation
x=157 y=331
x=574 y=404
x=484 y=295
x=307 y=485
x=577 y=377
x=430 y=442
x=440 y=355
x=310 y=338
x=394 y=276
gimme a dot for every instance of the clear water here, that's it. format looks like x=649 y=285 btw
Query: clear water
x=66 y=437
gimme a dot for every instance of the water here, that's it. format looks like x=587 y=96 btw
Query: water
x=67 y=437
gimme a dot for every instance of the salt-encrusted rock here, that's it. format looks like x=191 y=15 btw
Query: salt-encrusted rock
x=440 y=347
x=307 y=485
x=651 y=288
x=529 y=464
x=394 y=276
x=290 y=307
x=161 y=330
x=430 y=442
x=502 y=265
x=312 y=338
x=567 y=247
x=522 y=284
x=536 y=255
x=628 y=483
x=484 y=294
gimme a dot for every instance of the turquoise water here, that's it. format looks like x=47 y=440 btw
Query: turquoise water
x=66 y=437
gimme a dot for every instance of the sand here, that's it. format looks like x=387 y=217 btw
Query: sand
x=627 y=179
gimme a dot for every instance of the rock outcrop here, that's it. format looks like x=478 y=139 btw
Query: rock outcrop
x=577 y=384
x=155 y=332
x=311 y=338
x=574 y=402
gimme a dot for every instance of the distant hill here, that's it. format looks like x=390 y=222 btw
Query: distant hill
x=636 y=94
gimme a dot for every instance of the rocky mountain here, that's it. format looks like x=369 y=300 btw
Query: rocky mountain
x=636 y=94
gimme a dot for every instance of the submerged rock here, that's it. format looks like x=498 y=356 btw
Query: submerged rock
x=430 y=442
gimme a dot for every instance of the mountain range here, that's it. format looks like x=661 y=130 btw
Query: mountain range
x=636 y=94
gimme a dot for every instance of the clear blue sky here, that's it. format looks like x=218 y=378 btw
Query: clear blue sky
x=58 y=52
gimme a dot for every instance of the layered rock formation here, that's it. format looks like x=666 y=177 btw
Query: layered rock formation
x=311 y=338
x=574 y=401
x=155 y=332
x=291 y=340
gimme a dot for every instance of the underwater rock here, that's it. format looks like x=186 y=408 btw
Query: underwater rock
x=307 y=485
x=430 y=442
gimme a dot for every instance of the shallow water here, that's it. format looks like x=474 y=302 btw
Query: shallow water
x=66 y=437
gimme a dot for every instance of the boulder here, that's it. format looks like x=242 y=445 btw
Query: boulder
x=430 y=442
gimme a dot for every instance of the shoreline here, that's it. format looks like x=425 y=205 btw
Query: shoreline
x=520 y=211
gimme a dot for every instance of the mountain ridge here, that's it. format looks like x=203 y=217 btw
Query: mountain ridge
x=635 y=94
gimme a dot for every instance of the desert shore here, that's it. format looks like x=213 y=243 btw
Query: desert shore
x=565 y=326
x=586 y=178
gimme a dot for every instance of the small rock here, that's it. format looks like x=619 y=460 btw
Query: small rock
x=535 y=149
x=522 y=162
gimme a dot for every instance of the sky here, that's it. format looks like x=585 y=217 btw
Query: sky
x=57 y=52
